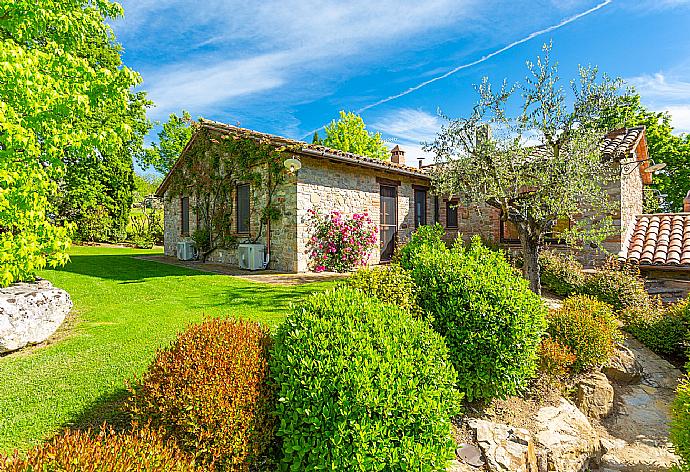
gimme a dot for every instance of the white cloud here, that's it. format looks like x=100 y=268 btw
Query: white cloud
x=680 y=117
x=409 y=127
x=662 y=92
x=259 y=46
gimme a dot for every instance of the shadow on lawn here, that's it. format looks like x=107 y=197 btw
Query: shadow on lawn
x=264 y=298
x=106 y=409
x=125 y=268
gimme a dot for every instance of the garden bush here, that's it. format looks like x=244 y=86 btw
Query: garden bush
x=339 y=243
x=680 y=423
x=425 y=236
x=561 y=274
x=665 y=330
x=140 y=449
x=555 y=359
x=209 y=390
x=587 y=327
x=621 y=286
x=362 y=385
x=491 y=320
x=390 y=284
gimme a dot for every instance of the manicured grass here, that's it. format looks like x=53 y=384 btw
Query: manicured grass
x=124 y=308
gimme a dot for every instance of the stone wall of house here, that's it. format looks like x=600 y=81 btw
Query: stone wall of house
x=482 y=220
x=283 y=231
x=325 y=186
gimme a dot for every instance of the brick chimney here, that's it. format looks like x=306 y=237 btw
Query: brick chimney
x=686 y=203
x=397 y=155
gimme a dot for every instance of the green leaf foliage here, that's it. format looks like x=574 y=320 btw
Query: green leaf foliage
x=587 y=327
x=389 y=284
x=172 y=139
x=350 y=134
x=59 y=69
x=362 y=386
x=663 y=329
x=490 y=319
x=680 y=424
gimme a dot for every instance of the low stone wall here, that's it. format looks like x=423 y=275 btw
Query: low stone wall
x=30 y=313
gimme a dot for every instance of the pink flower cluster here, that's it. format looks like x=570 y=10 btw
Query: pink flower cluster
x=340 y=243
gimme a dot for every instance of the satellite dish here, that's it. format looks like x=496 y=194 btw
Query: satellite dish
x=292 y=165
x=655 y=168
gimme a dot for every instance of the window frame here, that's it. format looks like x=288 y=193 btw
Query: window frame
x=456 y=204
x=183 y=214
x=238 y=223
x=420 y=216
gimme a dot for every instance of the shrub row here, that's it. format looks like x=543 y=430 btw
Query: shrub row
x=665 y=330
x=618 y=285
x=140 y=449
x=491 y=321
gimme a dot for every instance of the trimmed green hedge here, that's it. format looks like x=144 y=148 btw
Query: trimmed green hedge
x=491 y=320
x=362 y=385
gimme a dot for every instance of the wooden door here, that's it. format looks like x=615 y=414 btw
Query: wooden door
x=389 y=221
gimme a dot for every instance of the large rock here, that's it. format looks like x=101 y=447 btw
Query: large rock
x=623 y=367
x=505 y=448
x=30 y=313
x=595 y=395
x=566 y=441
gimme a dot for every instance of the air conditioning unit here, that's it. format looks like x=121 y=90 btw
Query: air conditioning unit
x=186 y=250
x=251 y=256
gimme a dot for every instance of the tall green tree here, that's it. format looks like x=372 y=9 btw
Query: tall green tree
x=533 y=187
x=664 y=146
x=63 y=90
x=172 y=139
x=316 y=139
x=349 y=133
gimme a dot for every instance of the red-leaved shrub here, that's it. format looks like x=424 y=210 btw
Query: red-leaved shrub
x=209 y=391
x=555 y=359
x=140 y=449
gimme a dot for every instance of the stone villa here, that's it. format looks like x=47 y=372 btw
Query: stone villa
x=397 y=196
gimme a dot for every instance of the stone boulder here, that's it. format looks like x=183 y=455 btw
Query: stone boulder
x=504 y=447
x=565 y=440
x=595 y=395
x=30 y=313
x=623 y=367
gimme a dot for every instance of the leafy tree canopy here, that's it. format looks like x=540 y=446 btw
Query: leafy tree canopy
x=63 y=91
x=172 y=139
x=534 y=186
x=349 y=134
x=664 y=146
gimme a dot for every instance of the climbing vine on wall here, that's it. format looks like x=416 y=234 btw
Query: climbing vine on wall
x=209 y=174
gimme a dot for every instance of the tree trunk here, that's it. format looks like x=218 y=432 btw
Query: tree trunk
x=530 y=254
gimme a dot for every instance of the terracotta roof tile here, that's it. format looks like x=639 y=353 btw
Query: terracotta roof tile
x=660 y=239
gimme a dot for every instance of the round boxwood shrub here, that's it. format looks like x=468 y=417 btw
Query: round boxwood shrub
x=391 y=284
x=491 y=320
x=362 y=385
x=587 y=327
x=140 y=449
x=209 y=390
x=680 y=423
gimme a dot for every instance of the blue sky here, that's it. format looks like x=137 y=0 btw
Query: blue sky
x=288 y=67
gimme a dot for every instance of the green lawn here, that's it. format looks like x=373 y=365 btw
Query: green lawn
x=124 y=308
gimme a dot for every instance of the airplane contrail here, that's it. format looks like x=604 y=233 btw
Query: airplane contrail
x=480 y=60
x=488 y=56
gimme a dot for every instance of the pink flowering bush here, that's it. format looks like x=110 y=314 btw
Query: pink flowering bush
x=340 y=243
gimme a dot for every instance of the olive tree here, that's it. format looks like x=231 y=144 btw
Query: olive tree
x=533 y=152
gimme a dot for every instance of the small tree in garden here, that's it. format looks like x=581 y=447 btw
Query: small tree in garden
x=350 y=134
x=52 y=89
x=534 y=186
x=339 y=243
x=171 y=141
